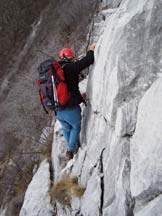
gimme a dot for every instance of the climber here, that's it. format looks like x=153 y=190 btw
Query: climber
x=70 y=117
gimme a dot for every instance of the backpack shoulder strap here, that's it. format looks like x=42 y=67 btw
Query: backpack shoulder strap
x=56 y=67
x=46 y=111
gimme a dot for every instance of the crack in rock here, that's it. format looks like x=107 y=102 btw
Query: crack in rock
x=129 y=201
x=148 y=195
x=82 y=164
x=102 y=182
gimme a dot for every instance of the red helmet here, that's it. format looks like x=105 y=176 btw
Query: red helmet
x=66 y=52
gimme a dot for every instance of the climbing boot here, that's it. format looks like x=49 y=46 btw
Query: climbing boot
x=77 y=147
x=76 y=150
x=69 y=155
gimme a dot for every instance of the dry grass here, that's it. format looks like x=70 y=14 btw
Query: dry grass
x=23 y=178
x=65 y=189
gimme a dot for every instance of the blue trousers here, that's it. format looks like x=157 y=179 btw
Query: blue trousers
x=70 y=120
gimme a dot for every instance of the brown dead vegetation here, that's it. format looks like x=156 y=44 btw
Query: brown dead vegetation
x=65 y=189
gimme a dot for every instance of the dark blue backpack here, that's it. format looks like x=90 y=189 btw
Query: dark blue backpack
x=53 y=88
x=45 y=85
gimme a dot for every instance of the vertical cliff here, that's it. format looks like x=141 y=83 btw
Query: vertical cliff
x=119 y=162
x=30 y=33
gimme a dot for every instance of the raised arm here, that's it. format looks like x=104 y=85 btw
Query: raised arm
x=87 y=60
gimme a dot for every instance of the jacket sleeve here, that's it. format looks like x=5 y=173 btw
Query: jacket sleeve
x=85 y=61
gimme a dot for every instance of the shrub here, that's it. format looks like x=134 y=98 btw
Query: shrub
x=65 y=189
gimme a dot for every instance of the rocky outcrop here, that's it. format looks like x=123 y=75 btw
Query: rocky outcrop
x=21 y=122
x=146 y=149
x=2 y=212
x=37 y=200
x=119 y=162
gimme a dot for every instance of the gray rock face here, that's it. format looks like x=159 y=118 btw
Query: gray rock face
x=112 y=3
x=119 y=163
x=37 y=200
x=2 y=212
x=146 y=150
x=117 y=122
x=92 y=195
x=153 y=208
x=126 y=119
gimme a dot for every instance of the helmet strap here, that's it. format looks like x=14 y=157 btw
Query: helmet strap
x=66 y=58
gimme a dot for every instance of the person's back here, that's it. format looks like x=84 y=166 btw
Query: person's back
x=70 y=117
